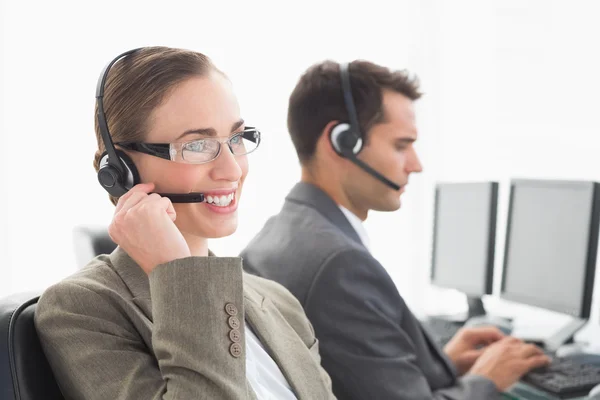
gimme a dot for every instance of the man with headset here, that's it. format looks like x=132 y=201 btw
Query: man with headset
x=353 y=127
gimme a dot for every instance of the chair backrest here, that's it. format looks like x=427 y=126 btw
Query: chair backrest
x=24 y=370
x=91 y=241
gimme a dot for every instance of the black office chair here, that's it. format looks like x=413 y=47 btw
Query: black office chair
x=91 y=241
x=24 y=370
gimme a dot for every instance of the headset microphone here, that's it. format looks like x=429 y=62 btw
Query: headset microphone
x=347 y=139
x=184 y=197
x=117 y=173
x=361 y=164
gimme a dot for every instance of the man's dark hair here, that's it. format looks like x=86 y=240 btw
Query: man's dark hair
x=317 y=100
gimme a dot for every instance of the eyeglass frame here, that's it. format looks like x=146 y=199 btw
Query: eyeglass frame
x=170 y=151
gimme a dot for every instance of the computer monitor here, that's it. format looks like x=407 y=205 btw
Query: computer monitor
x=464 y=237
x=551 y=246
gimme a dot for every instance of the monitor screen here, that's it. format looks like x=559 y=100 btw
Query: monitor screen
x=551 y=241
x=464 y=236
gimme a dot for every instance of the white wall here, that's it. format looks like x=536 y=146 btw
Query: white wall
x=511 y=90
x=53 y=54
x=516 y=96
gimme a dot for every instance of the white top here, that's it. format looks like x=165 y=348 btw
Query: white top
x=263 y=373
x=358 y=226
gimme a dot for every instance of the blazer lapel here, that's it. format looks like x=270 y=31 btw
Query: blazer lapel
x=311 y=196
x=283 y=345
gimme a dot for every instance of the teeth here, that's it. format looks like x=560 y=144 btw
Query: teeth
x=222 y=201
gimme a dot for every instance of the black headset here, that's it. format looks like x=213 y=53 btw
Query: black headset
x=117 y=173
x=346 y=138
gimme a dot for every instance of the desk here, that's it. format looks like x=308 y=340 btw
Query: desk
x=522 y=391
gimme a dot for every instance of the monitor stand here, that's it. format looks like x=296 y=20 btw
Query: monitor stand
x=476 y=307
x=476 y=312
x=478 y=317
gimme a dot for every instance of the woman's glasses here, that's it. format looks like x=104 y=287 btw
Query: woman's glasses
x=199 y=151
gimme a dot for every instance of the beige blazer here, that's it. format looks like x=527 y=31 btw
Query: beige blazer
x=112 y=332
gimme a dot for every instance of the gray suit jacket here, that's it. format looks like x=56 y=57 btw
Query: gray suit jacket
x=112 y=332
x=371 y=344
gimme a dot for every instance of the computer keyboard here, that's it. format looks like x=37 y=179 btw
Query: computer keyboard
x=442 y=330
x=564 y=378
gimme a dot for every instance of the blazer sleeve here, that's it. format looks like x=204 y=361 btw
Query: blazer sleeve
x=355 y=311
x=96 y=352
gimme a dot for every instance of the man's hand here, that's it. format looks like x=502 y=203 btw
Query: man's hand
x=468 y=344
x=507 y=360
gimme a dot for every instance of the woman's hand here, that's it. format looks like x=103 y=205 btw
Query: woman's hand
x=143 y=226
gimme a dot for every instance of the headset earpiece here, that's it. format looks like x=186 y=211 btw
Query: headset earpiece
x=344 y=140
x=116 y=177
x=112 y=180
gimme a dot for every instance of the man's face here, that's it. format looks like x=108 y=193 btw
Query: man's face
x=390 y=151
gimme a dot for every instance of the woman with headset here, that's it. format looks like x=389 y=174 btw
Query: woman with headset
x=162 y=317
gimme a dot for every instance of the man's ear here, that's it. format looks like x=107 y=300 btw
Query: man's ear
x=324 y=142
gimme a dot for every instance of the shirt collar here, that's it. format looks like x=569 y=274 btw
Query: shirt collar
x=357 y=225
